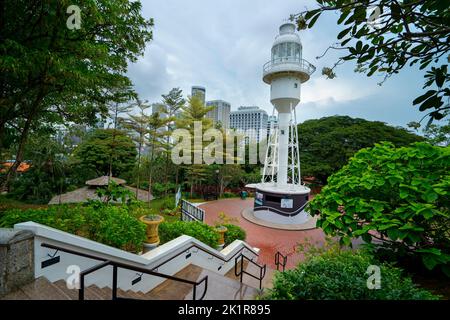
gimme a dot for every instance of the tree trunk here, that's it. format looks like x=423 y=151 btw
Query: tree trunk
x=138 y=172
x=166 y=173
x=151 y=171
x=222 y=187
x=23 y=139
x=19 y=155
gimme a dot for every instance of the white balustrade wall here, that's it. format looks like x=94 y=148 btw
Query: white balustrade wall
x=203 y=256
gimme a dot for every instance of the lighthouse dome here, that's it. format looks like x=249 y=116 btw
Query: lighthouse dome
x=287 y=44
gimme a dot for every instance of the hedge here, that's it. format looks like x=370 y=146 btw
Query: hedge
x=108 y=224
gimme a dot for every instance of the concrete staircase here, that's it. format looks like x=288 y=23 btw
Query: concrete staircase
x=219 y=288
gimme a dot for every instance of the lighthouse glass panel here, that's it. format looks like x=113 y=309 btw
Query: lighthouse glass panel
x=297 y=51
x=275 y=53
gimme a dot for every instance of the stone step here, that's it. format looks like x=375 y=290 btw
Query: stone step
x=250 y=281
x=39 y=289
x=219 y=288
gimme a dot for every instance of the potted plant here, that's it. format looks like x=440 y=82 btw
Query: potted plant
x=221 y=231
x=152 y=221
x=220 y=227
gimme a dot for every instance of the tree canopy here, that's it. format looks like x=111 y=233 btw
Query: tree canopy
x=326 y=144
x=51 y=73
x=94 y=154
x=384 y=36
x=399 y=196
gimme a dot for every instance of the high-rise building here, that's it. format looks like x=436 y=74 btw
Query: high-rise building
x=200 y=92
x=251 y=121
x=272 y=123
x=221 y=112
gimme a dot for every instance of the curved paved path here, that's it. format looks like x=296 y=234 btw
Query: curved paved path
x=267 y=239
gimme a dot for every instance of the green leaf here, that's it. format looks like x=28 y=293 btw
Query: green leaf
x=429 y=261
x=343 y=33
x=313 y=20
x=343 y=16
x=424 y=97
x=430 y=196
x=367 y=237
x=392 y=234
x=358 y=46
x=310 y=14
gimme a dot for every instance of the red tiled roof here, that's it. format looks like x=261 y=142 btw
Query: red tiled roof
x=23 y=167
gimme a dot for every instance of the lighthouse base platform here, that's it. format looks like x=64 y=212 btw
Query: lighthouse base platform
x=280 y=207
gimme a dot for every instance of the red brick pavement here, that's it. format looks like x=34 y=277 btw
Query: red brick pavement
x=268 y=240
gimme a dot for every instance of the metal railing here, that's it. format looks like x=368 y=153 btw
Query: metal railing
x=280 y=260
x=189 y=212
x=116 y=266
x=208 y=252
x=304 y=65
x=262 y=269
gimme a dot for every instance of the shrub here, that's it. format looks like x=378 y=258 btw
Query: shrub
x=198 y=230
x=107 y=224
x=229 y=195
x=234 y=233
x=400 y=196
x=168 y=203
x=119 y=229
x=342 y=275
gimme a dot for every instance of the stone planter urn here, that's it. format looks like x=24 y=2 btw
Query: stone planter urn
x=221 y=231
x=152 y=222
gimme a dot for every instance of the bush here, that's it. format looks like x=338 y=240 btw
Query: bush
x=168 y=203
x=111 y=225
x=234 y=233
x=198 y=230
x=342 y=275
x=229 y=195
x=158 y=189
x=400 y=196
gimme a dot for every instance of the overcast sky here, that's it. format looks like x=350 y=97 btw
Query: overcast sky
x=222 y=45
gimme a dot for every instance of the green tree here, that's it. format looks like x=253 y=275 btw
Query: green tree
x=48 y=168
x=337 y=274
x=138 y=125
x=173 y=102
x=157 y=130
x=326 y=144
x=50 y=73
x=95 y=152
x=384 y=36
x=195 y=112
x=399 y=196
x=436 y=134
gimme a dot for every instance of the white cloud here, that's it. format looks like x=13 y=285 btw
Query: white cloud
x=222 y=45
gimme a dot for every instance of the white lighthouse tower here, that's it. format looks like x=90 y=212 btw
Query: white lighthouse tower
x=281 y=197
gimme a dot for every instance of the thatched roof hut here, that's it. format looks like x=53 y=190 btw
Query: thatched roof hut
x=104 y=181
x=89 y=192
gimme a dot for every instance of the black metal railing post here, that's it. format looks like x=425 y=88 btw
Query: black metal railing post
x=114 y=284
x=81 y=289
x=278 y=263
x=194 y=292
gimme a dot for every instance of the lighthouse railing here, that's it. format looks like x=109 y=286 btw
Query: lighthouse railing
x=304 y=65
